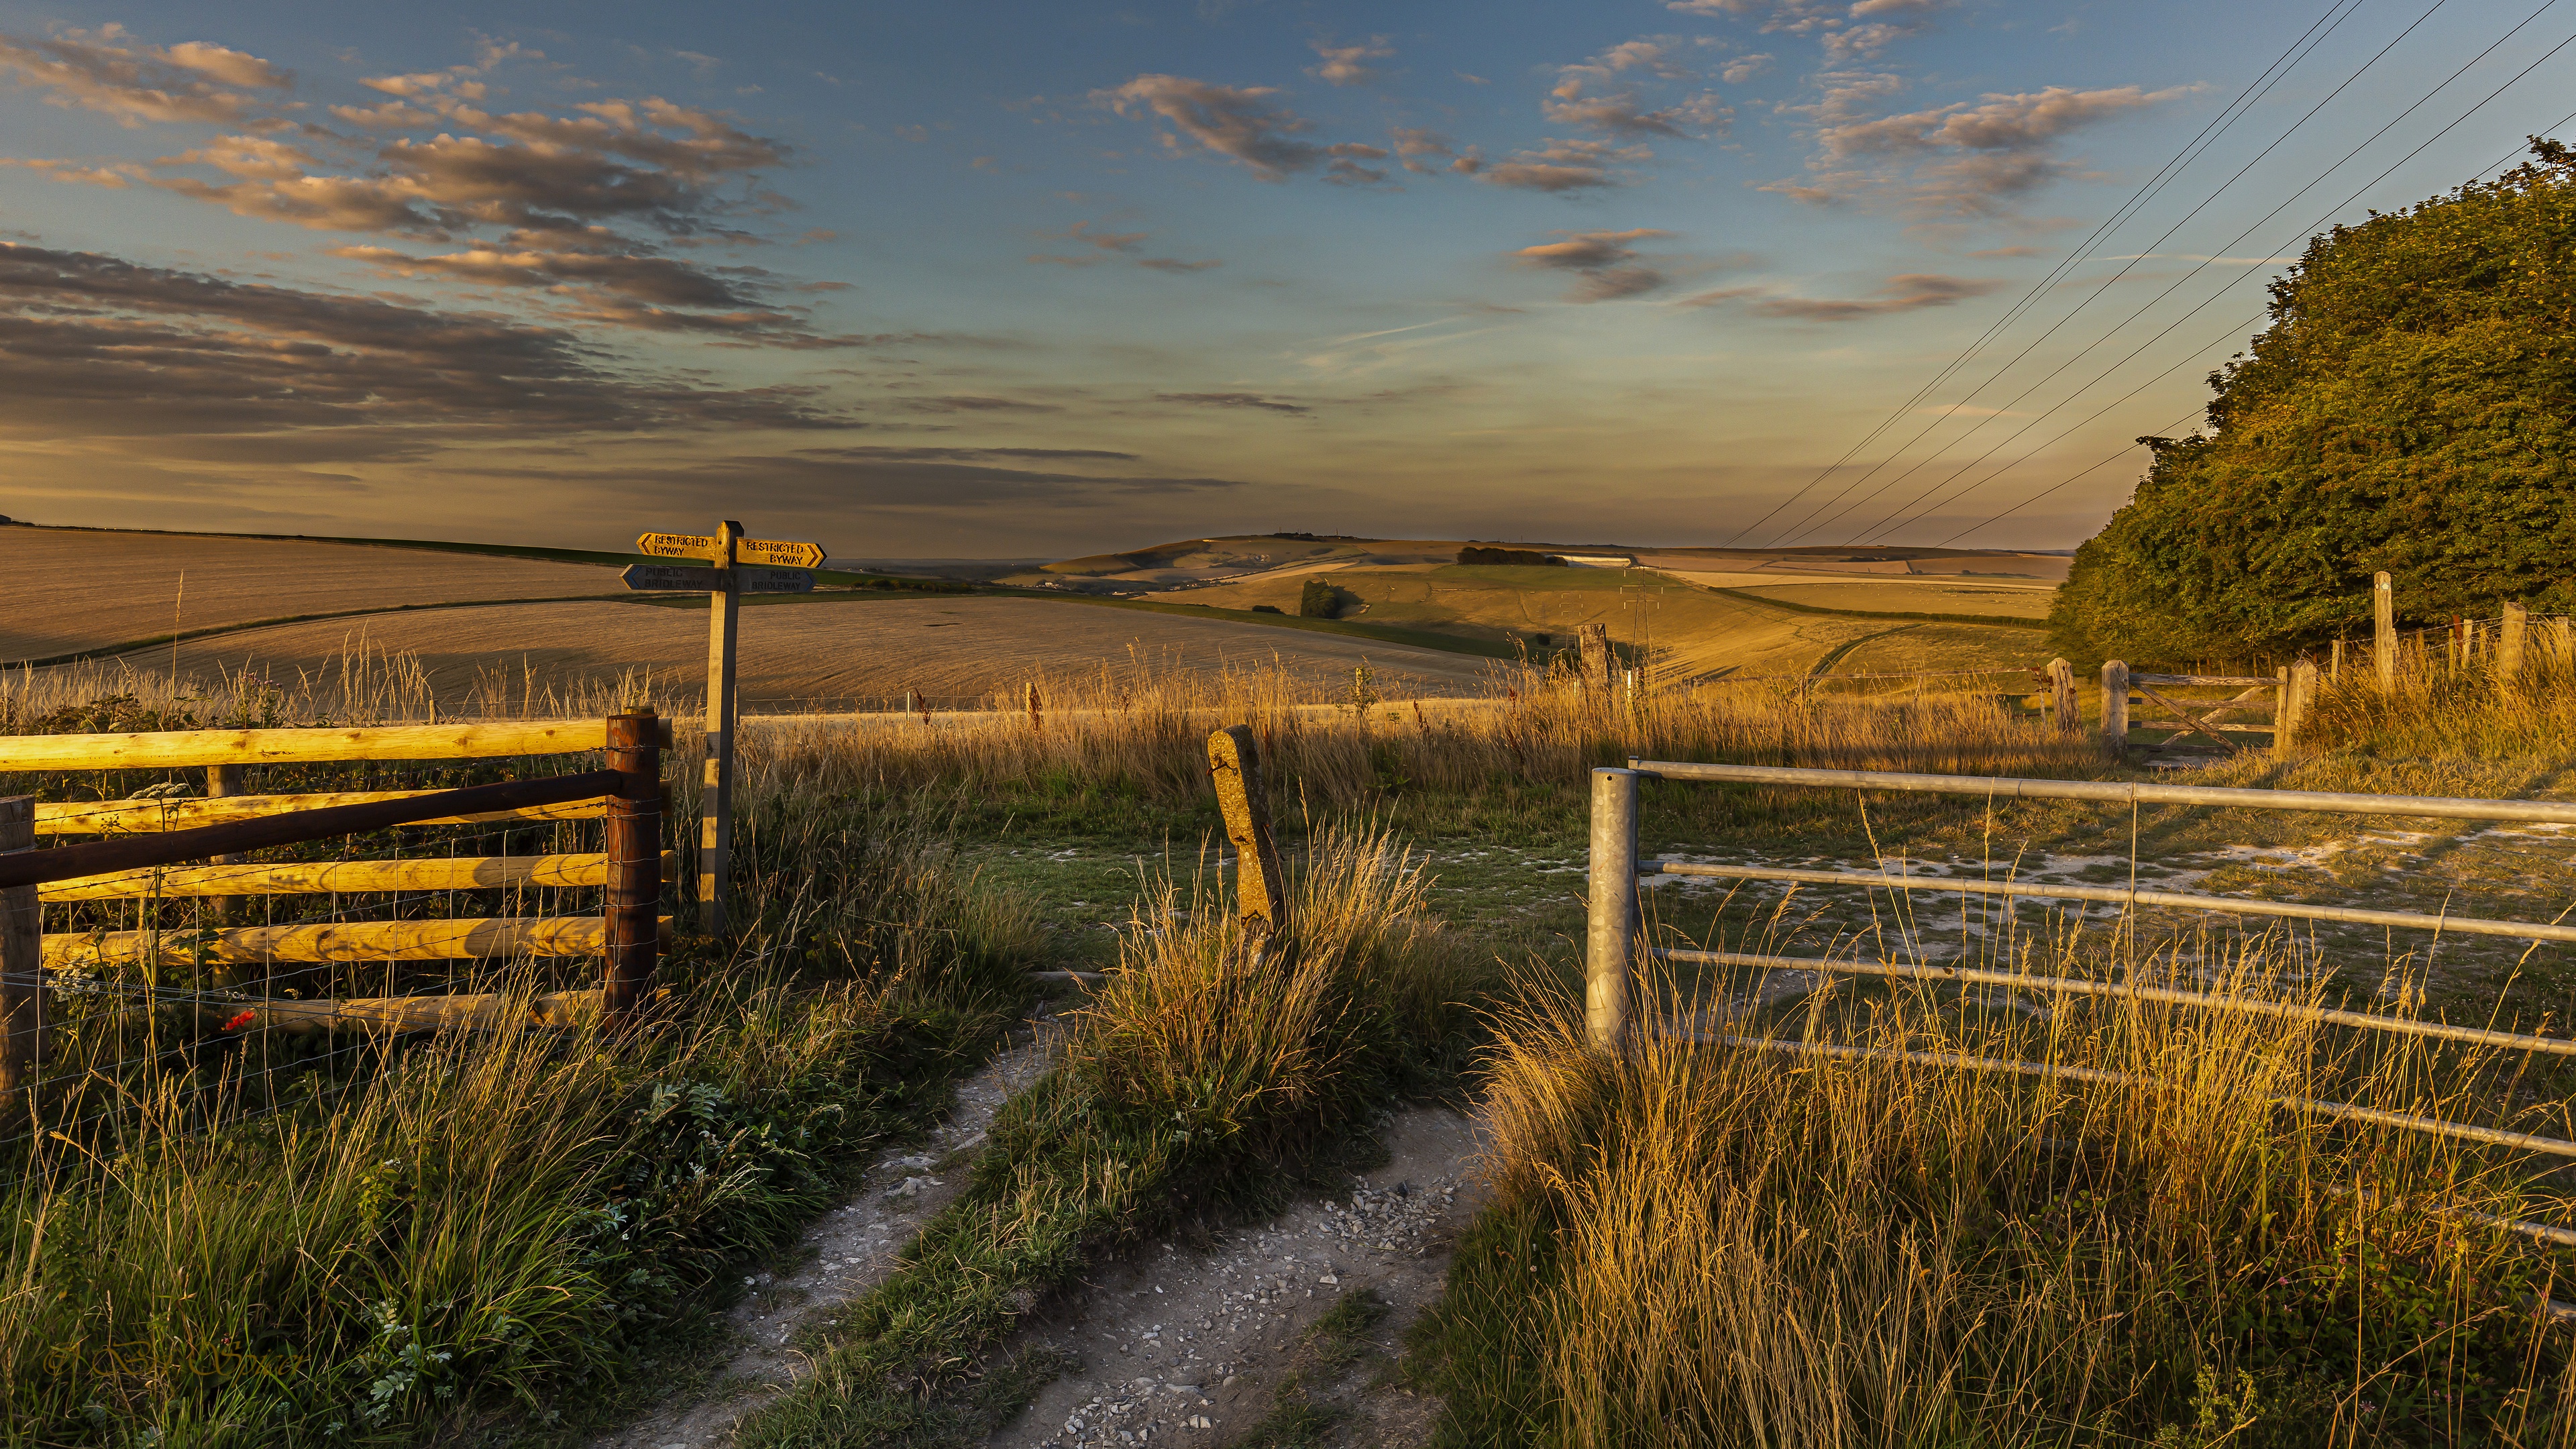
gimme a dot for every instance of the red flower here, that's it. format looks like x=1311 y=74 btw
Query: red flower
x=243 y=1020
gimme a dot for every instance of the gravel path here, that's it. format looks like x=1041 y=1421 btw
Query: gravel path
x=1190 y=1345
x=844 y=1254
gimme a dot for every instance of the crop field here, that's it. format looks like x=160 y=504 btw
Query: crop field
x=818 y=650
x=1896 y=595
x=1693 y=632
x=103 y=589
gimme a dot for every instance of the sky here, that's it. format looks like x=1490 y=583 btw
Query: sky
x=1022 y=279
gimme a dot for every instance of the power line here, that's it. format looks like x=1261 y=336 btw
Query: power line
x=1898 y=517
x=2226 y=117
x=2105 y=286
x=2506 y=160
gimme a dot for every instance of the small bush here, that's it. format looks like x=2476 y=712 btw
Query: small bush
x=1318 y=600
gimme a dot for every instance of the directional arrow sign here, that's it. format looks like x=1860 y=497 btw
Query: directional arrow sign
x=775 y=581
x=748 y=550
x=676 y=545
x=677 y=578
x=661 y=578
x=783 y=555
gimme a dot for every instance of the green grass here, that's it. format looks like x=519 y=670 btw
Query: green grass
x=2003 y=620
x=1194 y=1085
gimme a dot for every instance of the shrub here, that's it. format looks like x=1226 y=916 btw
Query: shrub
x=1318 y=600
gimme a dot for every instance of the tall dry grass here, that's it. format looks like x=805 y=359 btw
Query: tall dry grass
x=1201 y=1079
x=1143 y=733
x=1712 y=1244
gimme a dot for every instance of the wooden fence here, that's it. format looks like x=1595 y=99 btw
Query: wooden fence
x=144 y=847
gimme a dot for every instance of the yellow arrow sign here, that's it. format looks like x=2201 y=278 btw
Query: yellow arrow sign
x=769 y=551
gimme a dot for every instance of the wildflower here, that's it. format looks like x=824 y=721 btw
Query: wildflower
x=243 y=1020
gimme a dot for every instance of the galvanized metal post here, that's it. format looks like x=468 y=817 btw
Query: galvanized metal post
x=2115 y=705
x=1610 y=939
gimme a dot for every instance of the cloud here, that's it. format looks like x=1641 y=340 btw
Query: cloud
x=1348 y=65
x=1606 y=263
x=1417 y=147
x=1560 y=166
x=1345 y=169
x=2015 y=251
x=1235 y=400
x=1620 y=115
x=1907 y=292
x=972 y=404
x=899 y=454
x=104 y=71
x=1961 y=159
x=1743 y=68
x=93 y=343
x=1107 y=241
x=1173 y=264
x=1238 y=123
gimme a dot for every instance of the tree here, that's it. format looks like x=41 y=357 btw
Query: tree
x=1319 y=600
x=2411 y=407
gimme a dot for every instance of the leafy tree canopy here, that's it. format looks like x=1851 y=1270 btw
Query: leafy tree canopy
x=2412 y=407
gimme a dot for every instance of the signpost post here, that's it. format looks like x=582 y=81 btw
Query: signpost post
x=726 y=582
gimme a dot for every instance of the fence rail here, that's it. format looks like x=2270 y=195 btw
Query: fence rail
x=1612 y=945
x=148 y=847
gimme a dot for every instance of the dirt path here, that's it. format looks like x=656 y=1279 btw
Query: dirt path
x=1196 y=1346
x=844 y=1254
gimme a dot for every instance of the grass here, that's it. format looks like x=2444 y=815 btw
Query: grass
x=1200 y=1080
x=1694 y=1243
x=392 y=1237
x=1697 y=1243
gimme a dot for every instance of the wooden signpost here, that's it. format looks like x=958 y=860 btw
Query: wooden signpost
x=731 y=577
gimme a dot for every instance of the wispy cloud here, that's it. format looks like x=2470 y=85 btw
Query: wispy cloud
x=1606 y=262
x=1252 y=400
x=1240 y=123
x=106 y=70
x=1348 y=65
x=1960 y=160
x=1905 y=292
x=1562 y=166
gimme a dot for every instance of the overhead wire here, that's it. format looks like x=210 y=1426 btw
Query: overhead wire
x=1900 y=517
x=2506 y=160
x=2218 y=125
x=2103 y=288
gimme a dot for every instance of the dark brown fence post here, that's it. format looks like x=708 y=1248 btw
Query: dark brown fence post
x=634 y=893
x=2061 y=699
x=22 y=963
x=1234 y=763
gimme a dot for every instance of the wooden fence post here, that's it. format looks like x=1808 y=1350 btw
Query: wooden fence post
x=22 y=961
x=1260 y=889
x=2383 y=625
x=2336 y=672
x=1600 y=661
x=2298 y=696
x=1037 y=718
x=223 y=780
x=1610 y=916
x=715 y=801
x=2562 y=640
x=2061 y=688
x=2115 y=705
x=634 y=847
x=2509 y=641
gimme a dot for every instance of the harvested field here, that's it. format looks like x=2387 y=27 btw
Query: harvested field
x=103 y=589
x=829 y=651
x=1908 y=596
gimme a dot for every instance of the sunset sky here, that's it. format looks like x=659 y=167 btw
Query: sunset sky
x=1021 y=279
